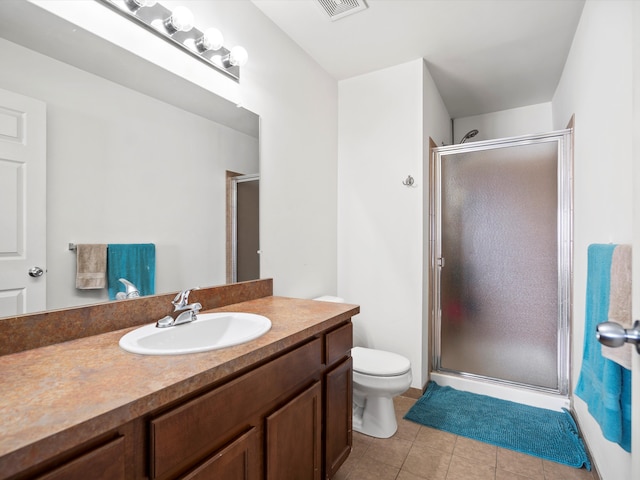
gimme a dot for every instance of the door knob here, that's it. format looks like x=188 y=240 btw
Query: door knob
x=35 y=272
x=612 y=334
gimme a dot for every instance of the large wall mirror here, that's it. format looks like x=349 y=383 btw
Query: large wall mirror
x=134 y=154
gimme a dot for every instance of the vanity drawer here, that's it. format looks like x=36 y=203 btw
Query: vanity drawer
x=106 y=462
x=338 y=343
x=184 y=436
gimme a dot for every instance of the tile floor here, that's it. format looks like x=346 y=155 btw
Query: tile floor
x=421 y=453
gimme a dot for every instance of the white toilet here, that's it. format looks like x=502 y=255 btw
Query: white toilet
x=378 y=377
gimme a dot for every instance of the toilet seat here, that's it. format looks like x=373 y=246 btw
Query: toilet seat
x=379 y=363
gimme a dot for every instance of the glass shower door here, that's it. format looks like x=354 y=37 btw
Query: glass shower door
x=501 y=261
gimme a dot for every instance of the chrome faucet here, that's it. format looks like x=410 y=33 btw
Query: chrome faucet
x=131 y=290
x=188 y=311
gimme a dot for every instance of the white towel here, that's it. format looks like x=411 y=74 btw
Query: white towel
x=91 y=268
x=620 y=303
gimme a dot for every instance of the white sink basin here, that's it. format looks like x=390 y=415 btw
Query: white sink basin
x=211 y=331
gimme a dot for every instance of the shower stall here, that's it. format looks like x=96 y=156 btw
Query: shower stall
x=500 y=241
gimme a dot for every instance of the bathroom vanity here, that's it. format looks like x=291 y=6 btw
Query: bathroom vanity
x=278 y=407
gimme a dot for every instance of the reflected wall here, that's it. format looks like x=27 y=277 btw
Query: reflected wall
x=123 y=167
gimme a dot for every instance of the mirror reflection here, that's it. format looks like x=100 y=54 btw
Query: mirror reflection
x=122 y=165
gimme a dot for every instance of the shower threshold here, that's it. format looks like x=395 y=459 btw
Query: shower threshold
x=524 y=396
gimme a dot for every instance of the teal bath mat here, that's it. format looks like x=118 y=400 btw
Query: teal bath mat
x=535 y=431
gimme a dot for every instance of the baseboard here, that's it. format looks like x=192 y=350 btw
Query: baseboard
x=415 y=393
x=594 y=467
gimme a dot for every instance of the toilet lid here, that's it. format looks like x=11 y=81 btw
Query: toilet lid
x=379 y=362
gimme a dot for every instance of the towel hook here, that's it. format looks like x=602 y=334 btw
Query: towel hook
x=409 y=181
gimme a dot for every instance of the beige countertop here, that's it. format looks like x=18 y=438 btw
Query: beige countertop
x=57 y=396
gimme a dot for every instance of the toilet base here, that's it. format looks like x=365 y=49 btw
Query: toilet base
x=376 y=419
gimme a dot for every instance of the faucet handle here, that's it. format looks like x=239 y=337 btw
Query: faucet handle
x=131 y=290
x=179 y=300
x=182 y=298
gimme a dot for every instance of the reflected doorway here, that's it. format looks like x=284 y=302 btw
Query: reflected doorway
x=243 y=221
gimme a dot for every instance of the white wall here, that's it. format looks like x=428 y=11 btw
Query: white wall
x=506 y=123
x=380 y=222
x=297 y=103
x=118 y=171
x=597 y=86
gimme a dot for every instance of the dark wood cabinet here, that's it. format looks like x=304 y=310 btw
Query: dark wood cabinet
x=288 y=417
x=186 y=435
x=338 y=432
x=237 y=461
x=338 y=394
x=293 y=438
x=106 y=462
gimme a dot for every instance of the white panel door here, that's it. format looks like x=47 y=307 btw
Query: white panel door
x=22 y=204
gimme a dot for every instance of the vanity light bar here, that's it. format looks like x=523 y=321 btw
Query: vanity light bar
x=177 y=28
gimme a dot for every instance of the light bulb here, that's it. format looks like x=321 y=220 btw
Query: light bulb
x=136 y=4
x=211 y=40
x=181 y=20
x=237 y=57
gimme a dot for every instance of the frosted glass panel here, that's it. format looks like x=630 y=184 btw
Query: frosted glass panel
x=499 y=284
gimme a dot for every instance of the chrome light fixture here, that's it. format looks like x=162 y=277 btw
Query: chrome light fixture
x=177 y=27
x=237 y=57
x=180 y=20
x=211 y=39
x=136 y=4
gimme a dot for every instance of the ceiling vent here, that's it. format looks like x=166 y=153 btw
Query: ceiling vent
x=337 y=9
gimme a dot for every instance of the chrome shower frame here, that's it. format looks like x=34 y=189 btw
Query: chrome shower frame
x=563 y=138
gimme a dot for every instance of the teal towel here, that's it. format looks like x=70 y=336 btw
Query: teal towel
x=604 y=385
x=135 y=262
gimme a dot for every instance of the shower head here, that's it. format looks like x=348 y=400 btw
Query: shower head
x=469 y=135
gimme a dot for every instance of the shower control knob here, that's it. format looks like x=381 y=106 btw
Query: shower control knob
x=612 y=334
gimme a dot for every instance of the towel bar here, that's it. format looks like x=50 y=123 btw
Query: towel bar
x=73 y=247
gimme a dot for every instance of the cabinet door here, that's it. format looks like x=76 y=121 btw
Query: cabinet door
x=338 y=410
x=103 y=463
x=293 y=438
x=186 y=435
x=238 y=461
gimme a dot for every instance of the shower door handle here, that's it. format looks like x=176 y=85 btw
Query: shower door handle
x=613 y=334
x=440 y=262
